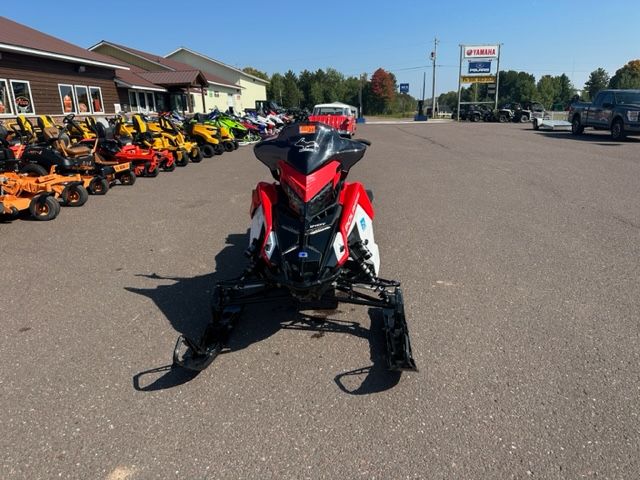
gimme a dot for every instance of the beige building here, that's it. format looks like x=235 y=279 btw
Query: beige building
x=154 y=84
x=252 y=88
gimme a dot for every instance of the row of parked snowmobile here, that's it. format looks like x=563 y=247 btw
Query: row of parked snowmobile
x=47 y=165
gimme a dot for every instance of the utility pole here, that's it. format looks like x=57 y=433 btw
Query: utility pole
x=434 y=54
x=360 y=114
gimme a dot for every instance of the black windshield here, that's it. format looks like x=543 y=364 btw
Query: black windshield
x=306 y=152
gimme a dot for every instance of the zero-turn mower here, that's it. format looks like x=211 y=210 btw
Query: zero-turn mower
x=145 y=137
x=167 y=129
x=39 y=159
x=145 y=162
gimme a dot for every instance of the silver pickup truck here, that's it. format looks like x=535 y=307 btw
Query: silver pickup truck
x=615 y=110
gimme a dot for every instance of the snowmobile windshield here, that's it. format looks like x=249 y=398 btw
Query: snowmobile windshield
x=307 y=147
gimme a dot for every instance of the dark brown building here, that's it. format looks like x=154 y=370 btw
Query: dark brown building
x=41 y=74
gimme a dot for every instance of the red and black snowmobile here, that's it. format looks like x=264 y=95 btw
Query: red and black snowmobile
x=145 y=162
x=311 y=241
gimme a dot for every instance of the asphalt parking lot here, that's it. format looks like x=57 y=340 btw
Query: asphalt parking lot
x=519 y=256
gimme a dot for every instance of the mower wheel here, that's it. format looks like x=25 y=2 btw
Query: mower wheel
x=184 y=158
x=168 y=168
x=196 y=155
x=74 y=196
x=218 y=149
x=148 y=172
x=34 y=170
x=44 y=208
x=11 y=215
x=127 y=178
x=98 y=186
x=228 y=146
x=236 y=145
x=207 y=150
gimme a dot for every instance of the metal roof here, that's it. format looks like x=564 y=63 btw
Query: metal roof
x=168 y=63
x=132 y=79
x=19 y=38
x=168 y=78
x=218 y=62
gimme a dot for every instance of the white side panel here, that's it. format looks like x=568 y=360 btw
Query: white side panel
x=364 y=224
x=338 y=246
x=271 y=245
x=257 y=222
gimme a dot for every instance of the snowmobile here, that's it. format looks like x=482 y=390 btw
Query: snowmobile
x=311 y=242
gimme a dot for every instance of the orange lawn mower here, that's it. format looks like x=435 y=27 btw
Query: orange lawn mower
x=68 y=189
x=38 y=195
x=41 y=207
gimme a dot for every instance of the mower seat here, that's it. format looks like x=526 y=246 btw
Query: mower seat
x=52 y=135
x=101 y=161
x=4 y=137
x=77 y=150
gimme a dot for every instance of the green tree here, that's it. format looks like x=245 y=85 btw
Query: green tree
x=351 y=91
x=316 y=93
x=334 y=88
x=548 y=89
x=627 y=76
x=275 y=88
x=516 y=86
x=598 y=80
x=291 y=95
x=565 y=90
x=256 y=73
x=448 y=100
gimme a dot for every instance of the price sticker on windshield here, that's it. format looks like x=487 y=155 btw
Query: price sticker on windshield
x=306 y=129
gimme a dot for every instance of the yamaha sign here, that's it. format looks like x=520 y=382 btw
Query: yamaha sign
x=481 y=51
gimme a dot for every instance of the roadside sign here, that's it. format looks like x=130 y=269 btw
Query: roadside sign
x=480 y=67
x=491 y=89
x=478 y=79
x=404 y=88
x=481 y=51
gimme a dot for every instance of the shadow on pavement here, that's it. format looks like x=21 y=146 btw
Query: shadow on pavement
x=186 y=304
x=594 y=137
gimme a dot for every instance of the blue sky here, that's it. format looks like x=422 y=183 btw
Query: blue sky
x=539 y=36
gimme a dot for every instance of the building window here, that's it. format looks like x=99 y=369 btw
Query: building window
x=96 y=100
x=161 y=104
x=143 y=102
x=133 y=100
x=5 y=99
x=82 y=95
x=67 y=98
x=151 y=102
x=22 y=99
x=216 y=94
